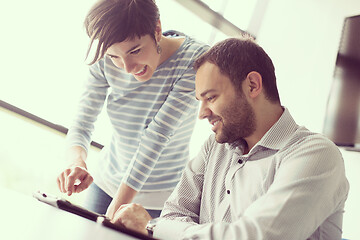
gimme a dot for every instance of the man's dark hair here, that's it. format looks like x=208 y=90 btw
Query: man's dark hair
x=113 y=21
x=237 y=57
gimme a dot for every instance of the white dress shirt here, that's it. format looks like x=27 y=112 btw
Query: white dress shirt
x=291 y=185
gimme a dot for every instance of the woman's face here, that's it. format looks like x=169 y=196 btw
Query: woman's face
x=138 y=56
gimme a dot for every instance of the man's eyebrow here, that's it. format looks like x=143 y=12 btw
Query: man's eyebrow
x=205 y=92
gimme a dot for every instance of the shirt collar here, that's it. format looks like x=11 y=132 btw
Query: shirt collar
x=237 y=144
x=276 y=137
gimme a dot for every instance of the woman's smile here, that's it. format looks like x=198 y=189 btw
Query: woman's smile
x=141 y=72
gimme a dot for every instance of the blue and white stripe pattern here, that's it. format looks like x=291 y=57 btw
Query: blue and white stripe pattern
x=152 y=121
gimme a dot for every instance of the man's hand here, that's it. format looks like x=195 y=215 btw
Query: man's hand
x=132 y=216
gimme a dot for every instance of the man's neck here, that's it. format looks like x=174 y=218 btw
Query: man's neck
x=265 y=119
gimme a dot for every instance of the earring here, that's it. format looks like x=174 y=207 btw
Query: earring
x=158 y=48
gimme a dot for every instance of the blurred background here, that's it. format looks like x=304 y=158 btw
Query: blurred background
x=43 y=69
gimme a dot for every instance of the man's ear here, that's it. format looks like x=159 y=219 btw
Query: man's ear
x=158 y=31
x=254 y=84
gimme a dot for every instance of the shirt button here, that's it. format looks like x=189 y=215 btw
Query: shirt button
x=228 y=191
x=240 y=161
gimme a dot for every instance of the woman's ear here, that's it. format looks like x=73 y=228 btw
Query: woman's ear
x=158 y=31
x=254 y=84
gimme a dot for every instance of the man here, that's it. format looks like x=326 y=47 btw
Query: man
x=261 y=176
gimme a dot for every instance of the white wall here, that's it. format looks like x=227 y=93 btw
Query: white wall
x=302 y=38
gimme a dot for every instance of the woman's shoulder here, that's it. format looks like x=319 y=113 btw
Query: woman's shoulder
x=195 y=44
x=189 y=43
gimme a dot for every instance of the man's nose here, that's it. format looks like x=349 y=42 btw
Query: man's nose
x=204 y=112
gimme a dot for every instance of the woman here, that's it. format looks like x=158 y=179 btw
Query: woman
x=147 y=80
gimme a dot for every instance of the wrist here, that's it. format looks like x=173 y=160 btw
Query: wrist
x=151 y=225
x=77 y=163
x=76 y=155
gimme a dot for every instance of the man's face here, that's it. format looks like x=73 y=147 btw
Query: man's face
x=225 y=107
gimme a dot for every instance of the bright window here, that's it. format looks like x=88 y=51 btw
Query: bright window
x=43 y=46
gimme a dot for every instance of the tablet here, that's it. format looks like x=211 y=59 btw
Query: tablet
x=66 y=205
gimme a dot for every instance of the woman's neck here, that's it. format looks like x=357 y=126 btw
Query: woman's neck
x=169 y=46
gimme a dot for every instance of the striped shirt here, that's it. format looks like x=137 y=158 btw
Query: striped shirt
x=291 y=185
x=152 y=121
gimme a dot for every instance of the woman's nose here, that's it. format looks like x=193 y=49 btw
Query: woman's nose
x=127 y=65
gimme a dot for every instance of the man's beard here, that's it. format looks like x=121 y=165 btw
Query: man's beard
x=238 y=122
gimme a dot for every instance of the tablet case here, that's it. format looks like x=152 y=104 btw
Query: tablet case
x=66 y=205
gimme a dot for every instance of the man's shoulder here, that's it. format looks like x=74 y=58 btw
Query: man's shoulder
x=313 y=145
x=303 y=136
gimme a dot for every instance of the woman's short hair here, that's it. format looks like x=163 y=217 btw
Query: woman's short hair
x=113 y=21
x=237 y=57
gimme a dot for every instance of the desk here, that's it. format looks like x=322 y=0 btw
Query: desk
x=24 y=217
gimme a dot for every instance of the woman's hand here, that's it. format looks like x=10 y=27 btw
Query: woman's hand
x=132 y=216
x=75 y=178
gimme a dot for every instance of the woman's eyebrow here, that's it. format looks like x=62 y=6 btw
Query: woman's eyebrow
x=110 y=55
x=134 y=47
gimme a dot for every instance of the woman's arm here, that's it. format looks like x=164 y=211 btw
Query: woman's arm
x=76 y=178
x=124 y=195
